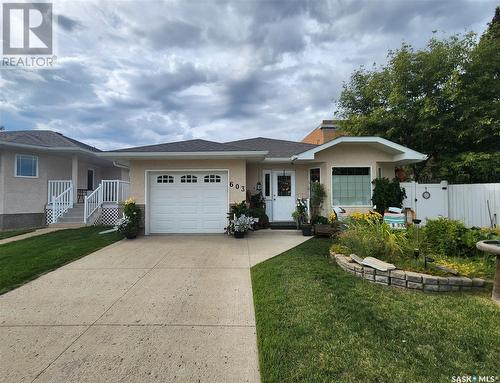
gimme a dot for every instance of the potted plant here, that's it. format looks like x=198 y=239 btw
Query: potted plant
x=129 y=225
x=240 y=225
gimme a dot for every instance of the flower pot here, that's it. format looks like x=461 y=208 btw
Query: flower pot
x=239 y=234
x=131 y=235
x=306 y=230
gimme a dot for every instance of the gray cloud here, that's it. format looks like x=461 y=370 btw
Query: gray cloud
x=132 y=73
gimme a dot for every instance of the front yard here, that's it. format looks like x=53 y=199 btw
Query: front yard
x=316 y=323
x=24 y=260
x=14 y=233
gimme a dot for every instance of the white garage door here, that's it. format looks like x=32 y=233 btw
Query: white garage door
x=188 y=202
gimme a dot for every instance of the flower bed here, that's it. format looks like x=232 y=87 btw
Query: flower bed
x=408 y=279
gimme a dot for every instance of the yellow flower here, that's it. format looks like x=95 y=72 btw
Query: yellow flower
x=129 y=201
x=332 y=217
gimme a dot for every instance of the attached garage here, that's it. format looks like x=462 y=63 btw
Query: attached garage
x=187 y=201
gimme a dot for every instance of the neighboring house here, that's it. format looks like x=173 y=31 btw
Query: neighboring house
x=188 y=186
x=326 y=131
x=45 y=177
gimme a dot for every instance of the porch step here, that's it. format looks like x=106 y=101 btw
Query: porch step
x=283 y=225
x=73 y=216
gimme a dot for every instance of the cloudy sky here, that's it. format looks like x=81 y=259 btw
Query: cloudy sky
x=141 y=72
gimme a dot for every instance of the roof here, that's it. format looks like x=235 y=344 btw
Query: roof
x=276 y=148
x=183 y=147
x=401 y=154
x=43 y=139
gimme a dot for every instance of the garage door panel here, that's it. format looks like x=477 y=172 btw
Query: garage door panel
x=199 y=207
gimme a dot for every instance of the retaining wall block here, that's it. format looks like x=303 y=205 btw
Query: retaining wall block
x=368 y=270
x=442 y=281
x=431 y=287
x=445 y=288
x=384 y=273
x=467 y=281
x=415 y=285
x=413 y=277
x=370 y=277
x=400 y=274
x=429 y=279
x=478 y=282
x=382 y=279
x=456 y=281
x=466 y=288
x=398 y=282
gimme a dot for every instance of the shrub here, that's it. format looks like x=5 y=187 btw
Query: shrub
x=318 y=195
x=260 y=213
x=239 y=209
x=375 y=239
x=369 y=217
x=387 y=193
x=449 y=237
x=129 y=226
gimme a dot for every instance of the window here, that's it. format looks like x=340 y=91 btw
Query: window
x=211 y=178
x=267 y=184
x=284 y=186
x=314 y=176
x=189 y=179
x=165 y=179
x=26 y=166
x=351 y=186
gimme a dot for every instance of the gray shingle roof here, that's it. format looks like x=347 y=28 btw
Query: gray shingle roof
x=185 y=146
x=276 y=148
x=44 y=138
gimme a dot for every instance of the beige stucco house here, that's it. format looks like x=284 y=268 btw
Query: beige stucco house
x=188 y=186
x=45 y=178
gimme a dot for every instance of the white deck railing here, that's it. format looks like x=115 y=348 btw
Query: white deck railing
x=62 y=202
x=55 y=188
x=108 y=191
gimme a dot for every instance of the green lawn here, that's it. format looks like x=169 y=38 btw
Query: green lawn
x=316 y=323
x=13 y=233
x=24 y=260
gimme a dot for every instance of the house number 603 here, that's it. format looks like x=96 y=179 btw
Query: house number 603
x=237 y=186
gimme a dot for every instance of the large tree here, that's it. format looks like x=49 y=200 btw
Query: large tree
x=442 y=100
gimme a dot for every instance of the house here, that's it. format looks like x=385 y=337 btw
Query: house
x=326 y=131
x=188 y=186
x=46 y=178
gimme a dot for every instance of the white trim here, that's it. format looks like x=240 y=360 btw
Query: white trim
x=15 y=165
x=405 y=154
x=351 y=166
x=147 y=177
x=46 y=148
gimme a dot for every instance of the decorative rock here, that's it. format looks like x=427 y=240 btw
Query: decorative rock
x=478 y=282
x=415 y=285
x=398 y=282
x=413 y=277
x=431 y=288
x=381 y=279
x=400 y=274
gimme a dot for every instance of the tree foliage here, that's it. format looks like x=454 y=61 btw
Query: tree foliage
x=442 y=100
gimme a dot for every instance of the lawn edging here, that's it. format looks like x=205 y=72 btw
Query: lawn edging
x=409 y=279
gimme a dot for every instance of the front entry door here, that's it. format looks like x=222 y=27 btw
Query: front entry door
x=283 y=195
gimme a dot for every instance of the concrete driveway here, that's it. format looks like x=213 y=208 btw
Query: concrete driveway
x=161 y=308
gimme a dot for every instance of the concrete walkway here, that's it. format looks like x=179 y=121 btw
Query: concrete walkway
x=154 y=309
x=29 y=235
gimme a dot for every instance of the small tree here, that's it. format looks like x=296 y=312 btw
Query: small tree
x=318 y=195
x=387 y=193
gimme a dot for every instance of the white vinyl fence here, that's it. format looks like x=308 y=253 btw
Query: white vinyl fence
x=474 y=204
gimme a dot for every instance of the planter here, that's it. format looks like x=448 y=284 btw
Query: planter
x=239 y=234
x=131 y=235
x=306 y=230
x=327 y=230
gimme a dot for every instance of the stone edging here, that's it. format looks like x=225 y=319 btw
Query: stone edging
x=409 y=279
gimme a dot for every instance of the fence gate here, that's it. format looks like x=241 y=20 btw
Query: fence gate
x=474 y=204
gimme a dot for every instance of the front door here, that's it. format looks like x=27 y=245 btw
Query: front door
x=283 y=195
x=90 y=179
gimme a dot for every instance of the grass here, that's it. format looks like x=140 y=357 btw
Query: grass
x=13 y=233
x=27 y=259
x=316 y=323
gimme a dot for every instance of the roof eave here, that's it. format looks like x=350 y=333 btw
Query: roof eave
x=47 y=148
x=183 y=155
